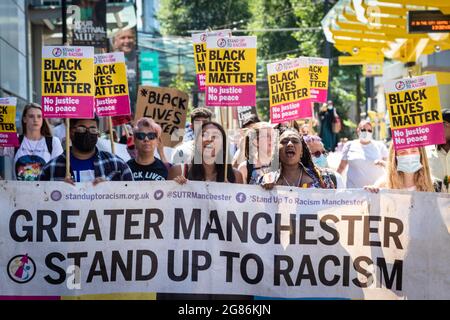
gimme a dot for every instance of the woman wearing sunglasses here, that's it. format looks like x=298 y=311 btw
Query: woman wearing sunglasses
x=319 y=157
x=146 y=167
x=296 y=166
x=364 y=157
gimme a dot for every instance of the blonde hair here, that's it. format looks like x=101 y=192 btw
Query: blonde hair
x=422 y=178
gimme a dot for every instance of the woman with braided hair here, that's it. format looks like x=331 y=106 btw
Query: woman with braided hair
x=296 y=166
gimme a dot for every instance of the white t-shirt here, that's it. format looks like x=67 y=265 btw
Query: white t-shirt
x=31 y=156
x=183 y=153
x=121 y=149
x=60 y=132
x=361 y=168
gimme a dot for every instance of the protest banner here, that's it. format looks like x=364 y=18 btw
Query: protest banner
x=244 y=113
x=111 y=85
x=230 y=71
x=68 y=82
x=318 y=79
x=167 y=106
x=415 y=112
x=289 y=90
x=213 y=238
x=199 y=44
x=8 y=130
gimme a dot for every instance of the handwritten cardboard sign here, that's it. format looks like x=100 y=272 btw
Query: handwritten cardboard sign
x=167 y=106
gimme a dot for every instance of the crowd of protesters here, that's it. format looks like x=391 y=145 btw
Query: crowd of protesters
x=285 y=154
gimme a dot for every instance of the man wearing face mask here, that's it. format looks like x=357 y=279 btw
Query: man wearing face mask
x=365 y=158
x=87 y=163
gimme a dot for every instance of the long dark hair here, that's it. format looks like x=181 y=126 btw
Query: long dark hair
x=197 y=172
x=45 y=129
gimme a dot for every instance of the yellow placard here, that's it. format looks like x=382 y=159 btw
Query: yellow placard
x=200 y=57
x=231 y=66
x=7 y=118
x=318 y=76
x=110 y=80
x=416 y=107
x=289 y=86
x=67 y=77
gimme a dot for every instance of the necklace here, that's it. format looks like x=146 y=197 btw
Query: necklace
x=298 y=181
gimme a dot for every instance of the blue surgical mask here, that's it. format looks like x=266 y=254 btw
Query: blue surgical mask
x=409 y=163
x=320 y=161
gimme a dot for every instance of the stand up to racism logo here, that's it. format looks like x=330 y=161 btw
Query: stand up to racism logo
x=21 y=268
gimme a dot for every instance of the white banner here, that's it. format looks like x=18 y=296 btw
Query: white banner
x=219 y=239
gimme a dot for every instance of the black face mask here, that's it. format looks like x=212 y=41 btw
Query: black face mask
x=85 y=142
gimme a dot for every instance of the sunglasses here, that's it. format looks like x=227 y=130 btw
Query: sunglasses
x=317 y=154
x=142 y=135
x=285 y=141
x=364 y=130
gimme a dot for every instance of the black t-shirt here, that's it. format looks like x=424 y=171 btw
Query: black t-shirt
x=151 y=172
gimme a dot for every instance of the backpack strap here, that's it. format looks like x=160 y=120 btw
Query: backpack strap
x=49 y=143
x=20 y=142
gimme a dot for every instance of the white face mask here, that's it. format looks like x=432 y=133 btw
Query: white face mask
x=409 y=163
x=365 y=136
